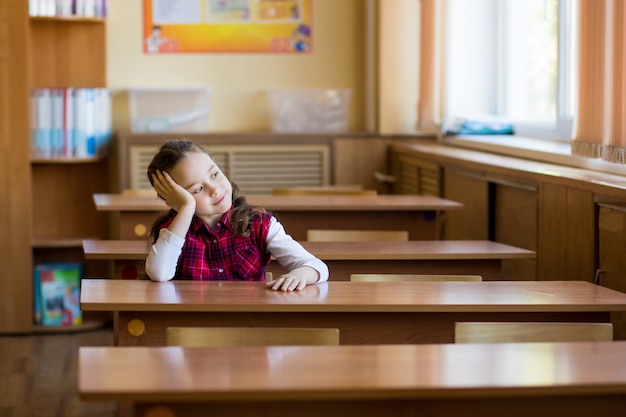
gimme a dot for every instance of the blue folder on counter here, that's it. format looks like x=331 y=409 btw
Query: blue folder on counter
x=477 y=126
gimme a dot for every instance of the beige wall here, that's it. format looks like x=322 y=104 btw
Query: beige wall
x=239 y=81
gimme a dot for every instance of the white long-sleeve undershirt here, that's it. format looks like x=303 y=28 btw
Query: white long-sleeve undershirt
x=163 y=255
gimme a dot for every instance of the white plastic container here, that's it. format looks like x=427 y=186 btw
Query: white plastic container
x=309 y=109
x=169 y=110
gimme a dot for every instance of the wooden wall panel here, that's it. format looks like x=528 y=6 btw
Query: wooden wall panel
x=73 y=53
x=566 y=248
x=581 y=234
x=356 y=160
x=16 y=314
x=473 y=221
x=612 y=258
x=515 y=223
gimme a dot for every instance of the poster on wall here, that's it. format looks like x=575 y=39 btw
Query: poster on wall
x=188 y=26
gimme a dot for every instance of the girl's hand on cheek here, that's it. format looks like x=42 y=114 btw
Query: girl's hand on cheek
x=174 y=195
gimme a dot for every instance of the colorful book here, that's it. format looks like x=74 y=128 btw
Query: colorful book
x=58 y=284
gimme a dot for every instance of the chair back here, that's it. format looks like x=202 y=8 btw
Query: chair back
x=136 y=192
x=324 y=235
x=250 y=336
x=506 y=332
x=411 y=277
x=325 y=190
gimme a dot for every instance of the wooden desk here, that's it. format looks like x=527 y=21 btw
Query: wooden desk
x=479 y=257
x=365 y=312
x=419 y=214
x=579 y=379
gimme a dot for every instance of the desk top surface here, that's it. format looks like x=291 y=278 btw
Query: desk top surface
x=337 y=296
x=382 y=202
x=351 y=371
x=411 y=250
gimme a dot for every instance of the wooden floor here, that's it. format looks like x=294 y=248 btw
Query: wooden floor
x=38 y=375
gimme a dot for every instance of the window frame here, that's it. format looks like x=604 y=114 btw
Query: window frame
x=566 y=74
x=496 y=64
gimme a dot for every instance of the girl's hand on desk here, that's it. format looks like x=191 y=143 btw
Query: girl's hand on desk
x=174 y=195
x=295 y=280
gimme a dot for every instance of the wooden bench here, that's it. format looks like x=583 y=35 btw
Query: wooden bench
x=465 y=257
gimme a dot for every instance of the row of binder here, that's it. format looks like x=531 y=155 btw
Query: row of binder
x=70 y=122
x=80 y=8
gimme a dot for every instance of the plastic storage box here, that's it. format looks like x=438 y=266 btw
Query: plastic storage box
x=309 y=110
x=169 y=110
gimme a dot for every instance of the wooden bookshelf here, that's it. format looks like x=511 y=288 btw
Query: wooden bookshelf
x=16 y=277
x=86 y=160
x=50 y=206
x=69 y=19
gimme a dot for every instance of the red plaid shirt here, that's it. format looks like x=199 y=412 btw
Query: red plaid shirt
x=221 y=255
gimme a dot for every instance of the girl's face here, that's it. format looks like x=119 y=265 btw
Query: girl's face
x=200 y=175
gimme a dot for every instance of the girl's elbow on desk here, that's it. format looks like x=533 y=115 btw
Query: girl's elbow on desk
x=158 y=278
x=156 y=274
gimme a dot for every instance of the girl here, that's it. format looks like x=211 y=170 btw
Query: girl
x=210 y=231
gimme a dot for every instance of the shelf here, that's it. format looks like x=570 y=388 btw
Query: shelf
x=74 y=19
x=66 y=160
x=88 y=324
x=43 y=243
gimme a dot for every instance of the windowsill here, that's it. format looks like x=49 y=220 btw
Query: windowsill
x=533 y=149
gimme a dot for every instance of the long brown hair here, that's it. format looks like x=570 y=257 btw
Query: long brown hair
x=168 y=156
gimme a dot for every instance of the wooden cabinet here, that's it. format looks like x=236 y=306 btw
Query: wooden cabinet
x=531 y=205
x=553 y=220
x=567 y=233
x=496 y=208
x=612 y=256
x=50 y=207
x=515 y=222
x=473 y=191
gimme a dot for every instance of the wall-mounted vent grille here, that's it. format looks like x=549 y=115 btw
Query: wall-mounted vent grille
x=255 y=169
x=418 y=176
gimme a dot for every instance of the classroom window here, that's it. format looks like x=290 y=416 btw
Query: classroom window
x=514 y=60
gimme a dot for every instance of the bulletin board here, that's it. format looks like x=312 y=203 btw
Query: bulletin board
x=188 y=26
